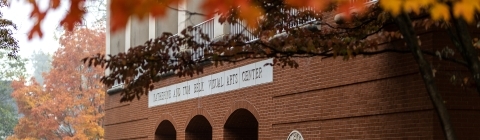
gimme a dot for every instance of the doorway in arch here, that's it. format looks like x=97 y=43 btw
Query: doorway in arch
x=198 y=129
x=165 y=131
x=241 y=124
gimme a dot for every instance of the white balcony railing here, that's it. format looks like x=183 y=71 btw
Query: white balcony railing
x=207 y=27
x=240 y=28
x=210 y=28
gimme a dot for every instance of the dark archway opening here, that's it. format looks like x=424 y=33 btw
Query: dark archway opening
x=241 y=125
x=198 y=129
x=165 y=131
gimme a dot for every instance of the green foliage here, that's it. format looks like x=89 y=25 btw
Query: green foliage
x=12 y=69
x=8 y=111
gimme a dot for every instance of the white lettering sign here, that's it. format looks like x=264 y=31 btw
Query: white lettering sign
x=233 y=79
x=217 y=83
x=203 y=88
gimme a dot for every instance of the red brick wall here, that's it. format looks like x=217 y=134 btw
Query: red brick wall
x=376 y=97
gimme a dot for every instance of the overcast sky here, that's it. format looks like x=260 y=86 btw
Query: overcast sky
x=19 y=13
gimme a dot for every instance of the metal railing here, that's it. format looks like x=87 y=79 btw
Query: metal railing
x=241 y=28
x=208 y=27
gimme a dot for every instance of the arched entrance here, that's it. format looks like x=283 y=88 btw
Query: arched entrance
x=241 y=124
x=198 y=129
x=165 y=131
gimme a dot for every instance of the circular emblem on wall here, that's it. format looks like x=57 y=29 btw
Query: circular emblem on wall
x=295 y=135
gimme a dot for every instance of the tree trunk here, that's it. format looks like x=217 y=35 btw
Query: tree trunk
x=405 y=25
x=463 y=42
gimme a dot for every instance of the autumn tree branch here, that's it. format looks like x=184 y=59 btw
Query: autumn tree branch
x=462 y=40
x=405 y=26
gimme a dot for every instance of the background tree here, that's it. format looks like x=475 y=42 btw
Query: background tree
x=11 y=69
x=98 y=10
x=70 y=104
x=8 y=117
x=42 y=63
x=7 y=42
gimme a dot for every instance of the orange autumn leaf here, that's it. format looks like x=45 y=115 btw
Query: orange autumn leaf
x=212 y=7
x=416 y=5
x=74 y=15
x=395 y=7
x=317 y=5
x=349 y=7
x=39 y=16
x=36 y=30
x=392 y=6
x=247 y=9
x=250 y=14
x=466 y=9
x=122 y=10
x=55 y=4
x=158 y=10
x=440 y=11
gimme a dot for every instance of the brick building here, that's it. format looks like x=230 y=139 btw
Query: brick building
x=377 y=97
